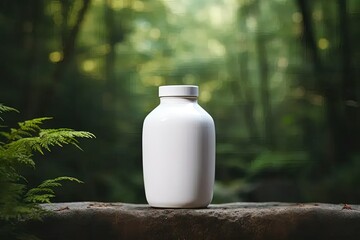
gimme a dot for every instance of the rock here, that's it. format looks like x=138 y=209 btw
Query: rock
x=93 y=220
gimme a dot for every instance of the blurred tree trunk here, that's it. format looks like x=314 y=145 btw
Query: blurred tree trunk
x=69 y=44
x=240 y=85
x=328 y=87
x=115 y=84
x=68 y=48
x=249 y=103
x=349 y=86
x=33 y=14
x=110 y=92
x=265 y=97
x=243 y=94
x=65 y=8
x=264 y=91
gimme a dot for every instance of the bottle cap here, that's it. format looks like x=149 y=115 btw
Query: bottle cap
x=179 y=91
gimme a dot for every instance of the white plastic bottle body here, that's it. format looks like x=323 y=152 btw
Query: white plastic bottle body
x=179 y=154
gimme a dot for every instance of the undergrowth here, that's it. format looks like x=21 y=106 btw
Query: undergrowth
x=18 y=145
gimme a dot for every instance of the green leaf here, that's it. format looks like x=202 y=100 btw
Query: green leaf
x=278 y=160
x=4 y=108
x=17 y=150
x=44 y=192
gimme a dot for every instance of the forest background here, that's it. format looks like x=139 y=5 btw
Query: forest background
x=280 y=78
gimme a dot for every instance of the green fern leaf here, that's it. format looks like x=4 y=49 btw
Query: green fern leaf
x=26 y=128
x=16 y=150
x=4 y=108
x=40 y=198
x=44 y=192
x=61 y=136
x=59 y=179
x=37 y=190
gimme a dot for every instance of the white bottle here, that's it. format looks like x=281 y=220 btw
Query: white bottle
x=178 y=150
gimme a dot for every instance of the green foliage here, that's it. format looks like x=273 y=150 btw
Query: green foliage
x=341 y=183
x=44 y=192
x=276 y=77
x=277 y=161
x=4 y=108
x=17 y=150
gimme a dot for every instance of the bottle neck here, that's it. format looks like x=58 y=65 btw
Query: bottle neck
x=178 y=100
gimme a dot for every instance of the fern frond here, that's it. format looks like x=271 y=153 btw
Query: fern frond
x=15 y=191
x=26 y=128
x=5 y=134
x=4 y=108
x=16 y=149
x=59 y=179
x=47 y=138
x=38 y=190
x=49 y=184
x=44 y=192
x=11 y=200
x=20 y=211
x=40 y=198
x=19 y=147
x=33 y=125
x=61 y=136
x=15 y=155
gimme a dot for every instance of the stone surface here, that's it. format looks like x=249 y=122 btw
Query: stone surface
x=93 y=220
